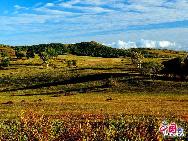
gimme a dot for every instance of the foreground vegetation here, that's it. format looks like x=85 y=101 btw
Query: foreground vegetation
x=32 y=126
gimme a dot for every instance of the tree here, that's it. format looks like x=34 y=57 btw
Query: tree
x=176 y=67
x=47 y=54
x=44 y=57
x=150 y=68
x=5 y=59
x=173 y=67
x=71 y=63
x=185 y=66
x=51 y=52
x=30 y=53
x=137 y=59
x=20 y=54
x=5 y=62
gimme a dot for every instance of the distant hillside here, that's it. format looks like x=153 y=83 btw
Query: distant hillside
x=158 y=53
x=81 y=49
x=96 y=49
x=8 y=49
x=99 y=50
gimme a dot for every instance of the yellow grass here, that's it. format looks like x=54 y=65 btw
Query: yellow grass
x=89 y=102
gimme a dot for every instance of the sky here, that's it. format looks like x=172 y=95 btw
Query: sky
x=117 y=23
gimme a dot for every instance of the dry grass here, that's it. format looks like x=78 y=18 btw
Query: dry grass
x=97 y=103
x=69 y=98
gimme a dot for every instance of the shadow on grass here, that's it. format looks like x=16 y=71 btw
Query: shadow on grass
x=156 y=85
x=72 y=91
x=109 y=68
x=25 y=64
x=81 y=79
x=8 y=68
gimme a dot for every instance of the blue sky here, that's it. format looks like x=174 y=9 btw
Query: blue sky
x=119 y=23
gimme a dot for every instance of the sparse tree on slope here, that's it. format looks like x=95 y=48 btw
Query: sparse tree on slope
x=137 y=59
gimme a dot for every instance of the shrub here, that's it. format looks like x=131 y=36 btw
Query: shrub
x=5 y=62
x=68 y=63
x=150 y=68
x=71 y=63
x=20 y=54
x=176 y=67
x=74 y=63
x=32 y=126
x=137 y=59
x=30 y=53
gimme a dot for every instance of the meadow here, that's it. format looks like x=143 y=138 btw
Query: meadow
x=107 y=91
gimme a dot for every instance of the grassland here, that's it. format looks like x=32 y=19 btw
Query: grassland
x=97 y=86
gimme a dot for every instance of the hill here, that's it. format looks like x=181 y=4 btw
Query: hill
x=81 y=49
x=8 y=49
x=158 y=53
x=95 y=49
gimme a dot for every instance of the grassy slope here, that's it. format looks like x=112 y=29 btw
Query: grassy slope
x=85 y=89
x=8 y=49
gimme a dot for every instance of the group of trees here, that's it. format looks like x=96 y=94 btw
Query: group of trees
x=5 y=53
x=47 y=51
x=146 y=68
x=4 y=59
x=82 y=49
x=176 y=67
x=96 y=50
x=153 y=53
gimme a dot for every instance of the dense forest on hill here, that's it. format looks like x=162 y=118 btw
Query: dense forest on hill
x=92 y=48
x=98 y=50
x=81 y=49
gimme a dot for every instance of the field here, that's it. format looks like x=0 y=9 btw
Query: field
x=97 y=86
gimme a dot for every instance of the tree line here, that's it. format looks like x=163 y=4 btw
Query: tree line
x=176 y=67
x=81 y=49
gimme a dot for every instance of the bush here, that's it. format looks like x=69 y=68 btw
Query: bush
x=176 y=67
x=74 y=63
x=34 y=127
x=30 y=53
x=20 y=54
x=137 y=59
x=71 y=63
x=150 y=68
x=5 y=62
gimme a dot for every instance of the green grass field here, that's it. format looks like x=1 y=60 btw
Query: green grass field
x=97 y=86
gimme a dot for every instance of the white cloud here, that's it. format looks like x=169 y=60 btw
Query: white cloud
x=87 y=6
x=147 y=43
x=122 y=44
x=166 y=44
x=143 y=44
x=142 y=12
x=69 y=4
x=18 y=7
x=102 y=20
x=155 y=44
x=50 y=4
x=51 y=12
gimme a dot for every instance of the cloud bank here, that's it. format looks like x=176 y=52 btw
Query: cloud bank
x=143 y=44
